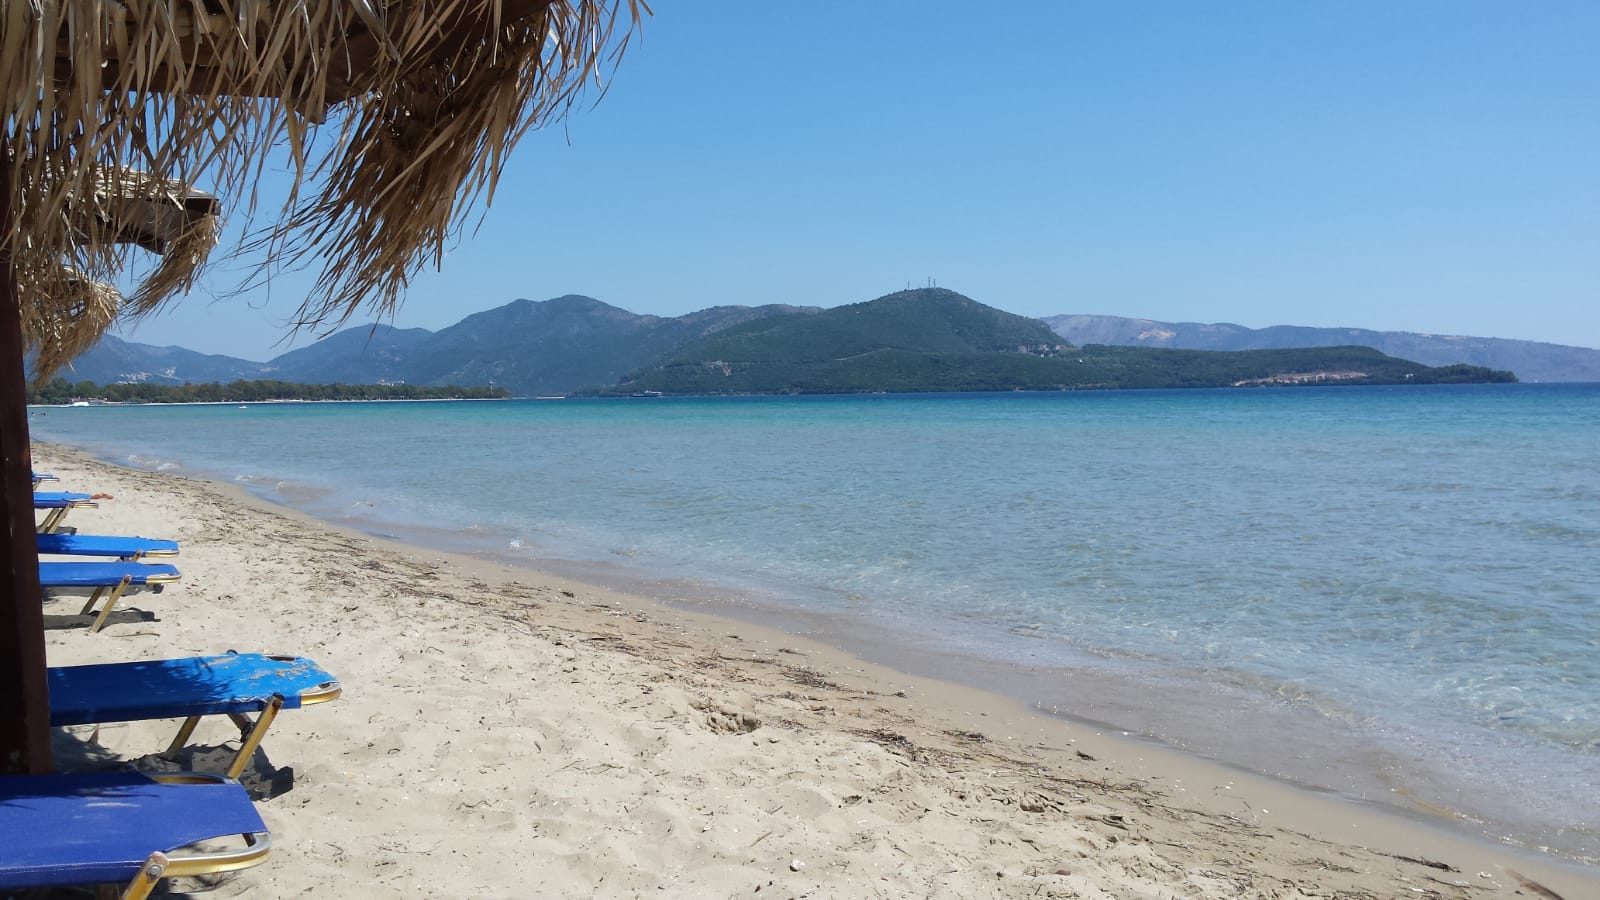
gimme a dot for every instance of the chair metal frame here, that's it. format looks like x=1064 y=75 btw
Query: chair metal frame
x=160 y=865
x=252 y=731
x=114 y=592
x=57 y=514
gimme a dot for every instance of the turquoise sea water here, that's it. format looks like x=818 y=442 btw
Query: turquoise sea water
x=1387 y=592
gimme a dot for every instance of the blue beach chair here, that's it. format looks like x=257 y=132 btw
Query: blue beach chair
x=41 y=477
x=59 y=503
x=106 y=579
x=127 y=549
x=122 y=828
x=235 y=685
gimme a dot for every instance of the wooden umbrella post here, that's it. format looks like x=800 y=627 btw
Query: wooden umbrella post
x=24 y=697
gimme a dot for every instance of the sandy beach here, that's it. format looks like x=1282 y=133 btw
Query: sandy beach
x=509 y=733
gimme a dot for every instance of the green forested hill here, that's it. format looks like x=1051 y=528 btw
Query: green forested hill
x=937 y=340
x=930 y=320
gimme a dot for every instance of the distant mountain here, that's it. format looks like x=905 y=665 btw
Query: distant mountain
x=527 y=347
x=563 y=344
x=1530 y=360
x=114 y=360
x=366 y=354
x=926 y=320
x=928 y=339
x=938 y=340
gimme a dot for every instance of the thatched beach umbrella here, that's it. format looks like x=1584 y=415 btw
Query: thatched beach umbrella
x=393 y=117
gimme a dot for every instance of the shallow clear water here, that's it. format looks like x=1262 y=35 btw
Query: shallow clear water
x=1380 y=590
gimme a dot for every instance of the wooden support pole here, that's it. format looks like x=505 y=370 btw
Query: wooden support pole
x=24 y=695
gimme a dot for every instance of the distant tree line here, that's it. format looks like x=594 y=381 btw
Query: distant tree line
x=60 y=390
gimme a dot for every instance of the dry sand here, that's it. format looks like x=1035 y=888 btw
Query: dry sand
x=505 y=733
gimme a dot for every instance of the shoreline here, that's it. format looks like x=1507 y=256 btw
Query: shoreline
x=1173 y=709
x=1153 y=819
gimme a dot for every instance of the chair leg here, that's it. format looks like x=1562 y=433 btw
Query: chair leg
x=252 y=738
x=185 y=732
x=111 y=603
x=93 y=599
x=143 y=883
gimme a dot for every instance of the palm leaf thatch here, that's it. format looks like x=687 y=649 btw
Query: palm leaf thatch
x=394 y=117
x=79 y=310
x=63 y=311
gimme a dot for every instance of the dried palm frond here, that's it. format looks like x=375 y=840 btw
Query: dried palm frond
x=395 y=116
x=182 y=255
x=64 y=315
x=64 y=311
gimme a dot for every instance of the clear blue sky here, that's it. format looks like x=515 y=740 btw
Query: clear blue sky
x=1426 y=166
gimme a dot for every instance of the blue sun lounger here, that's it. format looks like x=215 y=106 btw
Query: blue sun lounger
x=59 y=503
x=123 y=828
x=123 y=548
x=41 y=477
x=234 y=685
x=107 y=579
